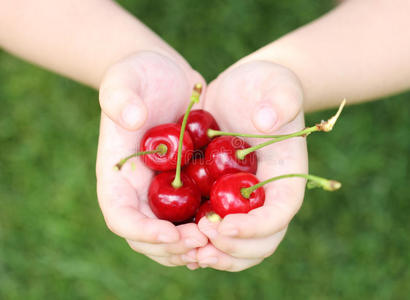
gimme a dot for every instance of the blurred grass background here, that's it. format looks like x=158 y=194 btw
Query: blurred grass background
x=53 y=241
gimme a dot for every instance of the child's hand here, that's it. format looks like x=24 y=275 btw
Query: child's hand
x=257 y=97
x=141 y=91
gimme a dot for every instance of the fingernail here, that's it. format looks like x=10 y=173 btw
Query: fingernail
x=265 y=118
x=208 y=261
x=132 y=114
x=163 y=238
x=229 y=231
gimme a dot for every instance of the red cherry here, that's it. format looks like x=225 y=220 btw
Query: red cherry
x=168 y=135
x=226 y=197
x=197 y=171
x=199 y=121
x=205 y=209
x=221 y=159
x=173 y=204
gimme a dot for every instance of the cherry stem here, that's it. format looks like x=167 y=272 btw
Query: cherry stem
x=177 y=183
x=161 y=149
x=243 y=152
x=213 y=217
x=213 y=133
x=325 y=126
x=313 y=182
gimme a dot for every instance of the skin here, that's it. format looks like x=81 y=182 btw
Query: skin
x=345 y=55
x=339 y=55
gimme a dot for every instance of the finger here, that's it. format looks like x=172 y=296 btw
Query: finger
x=264 y=221
x=241 y=247
x=259 y=95
x=248 y=248
x=145 y=80
x=280 y=99
x=118 y=200
x=169 y=261
x=210 y=229
x=190 y=238
x=211 y=257
x=157 y=250
x=120 y=96
x=127 y=222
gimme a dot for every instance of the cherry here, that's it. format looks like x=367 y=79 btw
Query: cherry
x=175 y=197
x=242 y=192
x=227 y=197
x=205 y=209
x=221 y=157
x=199 y=122
x=169 y=203
x=198 y=172
x=168 y=135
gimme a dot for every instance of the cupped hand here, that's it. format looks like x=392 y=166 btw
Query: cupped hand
x=258 y=97
x=141 y=91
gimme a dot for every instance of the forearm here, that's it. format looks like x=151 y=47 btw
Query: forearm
x=75 y=38
x=359 y=51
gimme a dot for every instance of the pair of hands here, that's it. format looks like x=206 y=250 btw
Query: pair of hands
x=147 y=89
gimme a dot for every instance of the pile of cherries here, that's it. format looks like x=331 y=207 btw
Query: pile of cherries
x=204 y=171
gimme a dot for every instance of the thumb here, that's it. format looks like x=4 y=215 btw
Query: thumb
x=277 y=107
x=123 y=106
x=120 y=94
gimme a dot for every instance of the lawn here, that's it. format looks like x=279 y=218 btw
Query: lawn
x=351 y=244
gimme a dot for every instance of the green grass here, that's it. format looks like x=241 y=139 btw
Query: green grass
x=352 y=244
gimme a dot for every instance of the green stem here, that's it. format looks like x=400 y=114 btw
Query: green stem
x=213 y=133
x=213 y=217
x=177 y=183
x=243 y=152
x=325 y=126
x=161 y=149
x=314 y=181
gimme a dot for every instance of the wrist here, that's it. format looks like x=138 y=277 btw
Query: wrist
x=127 y=35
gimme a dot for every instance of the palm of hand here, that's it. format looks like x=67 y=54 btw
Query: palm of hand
x=161 y=89
x=236 y=98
